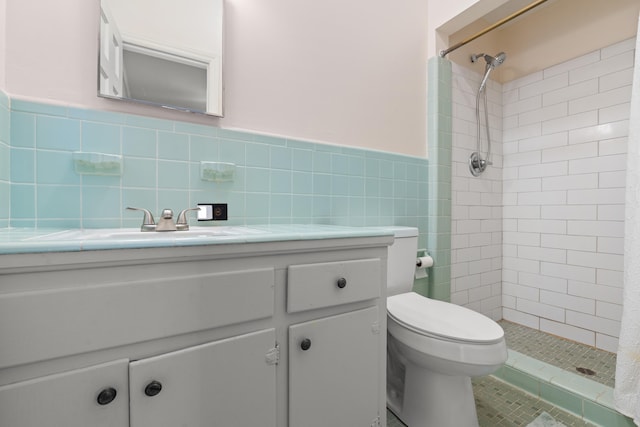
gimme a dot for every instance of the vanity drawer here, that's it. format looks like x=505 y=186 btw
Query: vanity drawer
x=41 y=325
x=326 y=284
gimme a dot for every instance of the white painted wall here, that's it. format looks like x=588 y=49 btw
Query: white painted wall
x=448 y=17
x=347 y=73
x=3 y=33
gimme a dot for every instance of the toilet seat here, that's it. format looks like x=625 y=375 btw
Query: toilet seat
x=442 y=320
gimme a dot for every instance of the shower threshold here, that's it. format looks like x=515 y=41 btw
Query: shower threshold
x=532 y=366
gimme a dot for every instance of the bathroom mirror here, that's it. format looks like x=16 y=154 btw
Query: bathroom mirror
x=162 y=52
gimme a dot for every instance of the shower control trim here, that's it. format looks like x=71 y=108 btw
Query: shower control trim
x=477 y=164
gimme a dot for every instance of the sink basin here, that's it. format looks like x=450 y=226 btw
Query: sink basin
x=135 y=234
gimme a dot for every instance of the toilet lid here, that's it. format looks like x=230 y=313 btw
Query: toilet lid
x=442 y=319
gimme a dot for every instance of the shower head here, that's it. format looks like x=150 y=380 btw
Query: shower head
x=492 y=62
x=495 y=61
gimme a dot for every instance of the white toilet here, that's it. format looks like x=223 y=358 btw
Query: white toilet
x=433 y=347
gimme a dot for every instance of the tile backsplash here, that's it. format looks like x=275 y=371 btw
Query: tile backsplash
x=277 y=180
x=5 y=183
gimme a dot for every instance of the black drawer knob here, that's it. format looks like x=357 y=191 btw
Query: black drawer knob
x=153 y=388
x=305 y=344
x=342 y=282
x=106 y=396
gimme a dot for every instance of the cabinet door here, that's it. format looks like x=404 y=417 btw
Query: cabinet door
x=69 y=399
x=227 y=383
x=334 y=371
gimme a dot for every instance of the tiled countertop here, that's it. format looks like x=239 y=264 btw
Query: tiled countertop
x=29 y=240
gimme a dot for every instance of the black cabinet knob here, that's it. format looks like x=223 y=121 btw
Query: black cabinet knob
x=342 y=282
x=153 y=388
x=106 y=396
x=305 y=344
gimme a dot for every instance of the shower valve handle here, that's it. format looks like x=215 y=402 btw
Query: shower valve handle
x=480 y=162
x=477 y=164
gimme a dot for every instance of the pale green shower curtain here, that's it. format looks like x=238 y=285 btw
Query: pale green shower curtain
x=627 y=388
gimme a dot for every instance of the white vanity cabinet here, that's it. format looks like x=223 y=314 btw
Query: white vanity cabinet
x=196 y=336
x=69 y=399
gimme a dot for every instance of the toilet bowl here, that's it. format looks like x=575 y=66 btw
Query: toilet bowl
x=441 y=346
x=433 y=349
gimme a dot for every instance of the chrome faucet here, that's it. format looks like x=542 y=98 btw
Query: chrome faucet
x=166 y=220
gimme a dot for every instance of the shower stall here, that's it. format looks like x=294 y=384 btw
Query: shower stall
x=538 y=171
x=549 y=214
x=537 y=237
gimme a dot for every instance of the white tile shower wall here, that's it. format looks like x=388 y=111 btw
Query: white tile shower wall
x=565 y=136
x=476 y=229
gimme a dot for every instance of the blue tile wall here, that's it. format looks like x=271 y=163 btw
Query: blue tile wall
x=5 y=165
x=438 y=284
x=278 y=180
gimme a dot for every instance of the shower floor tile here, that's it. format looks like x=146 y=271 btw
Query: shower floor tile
x=501 y=405
x=597 y=365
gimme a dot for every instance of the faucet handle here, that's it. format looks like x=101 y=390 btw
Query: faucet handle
x=148 y=224
x=181 y=222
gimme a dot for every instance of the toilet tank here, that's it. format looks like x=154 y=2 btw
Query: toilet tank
x=401 y=260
